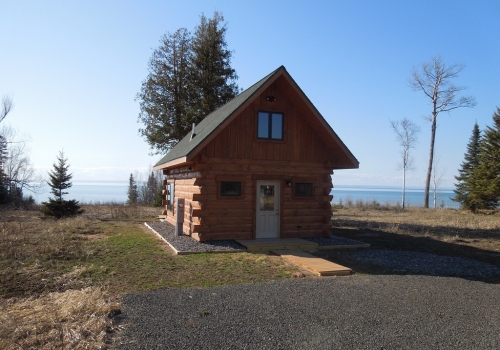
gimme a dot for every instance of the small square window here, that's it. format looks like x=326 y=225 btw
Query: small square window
x=304 y=189
x=270 y=125
x=230 y=189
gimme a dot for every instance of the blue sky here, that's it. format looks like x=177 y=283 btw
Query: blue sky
x=73 y=69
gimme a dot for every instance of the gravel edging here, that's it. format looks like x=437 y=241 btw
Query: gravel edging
x=398 y=261
x=426 y=263
x=187 y=245
x=335 y=242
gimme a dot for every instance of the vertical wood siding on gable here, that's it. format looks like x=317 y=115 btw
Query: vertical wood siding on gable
x=238 y=140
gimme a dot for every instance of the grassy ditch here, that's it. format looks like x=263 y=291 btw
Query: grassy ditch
x=60 y=281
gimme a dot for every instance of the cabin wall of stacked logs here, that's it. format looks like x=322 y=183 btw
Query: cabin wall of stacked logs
x=208 y=217
x=237 y=152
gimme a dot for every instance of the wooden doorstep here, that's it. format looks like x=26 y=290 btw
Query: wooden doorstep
x=321 y=266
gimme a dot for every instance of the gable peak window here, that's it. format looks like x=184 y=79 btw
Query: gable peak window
x=270 y=125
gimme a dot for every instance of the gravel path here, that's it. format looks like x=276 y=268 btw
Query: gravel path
x=429 y=264
x=333 y=241
x=185 y=244
x=357 y=312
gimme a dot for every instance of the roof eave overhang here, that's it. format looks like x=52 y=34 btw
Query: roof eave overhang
x=173 y=163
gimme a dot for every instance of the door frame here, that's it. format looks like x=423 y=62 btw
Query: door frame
x=264 y=177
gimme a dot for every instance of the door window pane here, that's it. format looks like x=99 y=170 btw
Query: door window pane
x=266 y=197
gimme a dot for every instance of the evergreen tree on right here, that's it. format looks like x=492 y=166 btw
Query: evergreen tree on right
x=485 y=191
x=465 y=178
x=60 y=180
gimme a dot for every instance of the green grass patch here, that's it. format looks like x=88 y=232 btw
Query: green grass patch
x=42 y=256
x=133 y=260
x=59 y=279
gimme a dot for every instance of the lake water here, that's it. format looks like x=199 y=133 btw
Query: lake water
x=91 y=192
x=116 y=191
x=414 y=197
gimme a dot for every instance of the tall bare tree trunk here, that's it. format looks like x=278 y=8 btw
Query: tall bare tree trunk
x=433 y=79
x=404 y=190
x=431 y=161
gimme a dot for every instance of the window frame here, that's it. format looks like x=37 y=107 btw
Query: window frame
x=297 y=181
x=225 y=178
x=170 y=196
x=269 y=125
x=229 y=182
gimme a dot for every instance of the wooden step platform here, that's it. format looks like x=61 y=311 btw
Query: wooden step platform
x=321 y=266
x=259 y=245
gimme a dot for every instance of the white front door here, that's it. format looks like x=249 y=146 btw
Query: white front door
x=268 y=209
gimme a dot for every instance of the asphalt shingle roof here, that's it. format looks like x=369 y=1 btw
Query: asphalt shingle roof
x=211 y=122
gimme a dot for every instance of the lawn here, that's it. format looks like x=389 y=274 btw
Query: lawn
x=60 y=281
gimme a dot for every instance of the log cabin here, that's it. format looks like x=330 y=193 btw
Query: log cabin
x=258 y=167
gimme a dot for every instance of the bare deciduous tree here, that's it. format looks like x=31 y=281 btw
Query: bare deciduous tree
x=17 y=166
x=7 y=105
x=434 y=80
x=406 y=134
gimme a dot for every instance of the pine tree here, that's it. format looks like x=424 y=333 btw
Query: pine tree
x=151 y=188
x=212 y=76
x=485 y=192
x=158 y=201
x=465 y=178
x=133 y=195
x=147 y=190
x=60 y=180
x=165 y=96
x=189 y=77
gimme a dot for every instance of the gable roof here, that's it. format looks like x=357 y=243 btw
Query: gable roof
x=211 y=124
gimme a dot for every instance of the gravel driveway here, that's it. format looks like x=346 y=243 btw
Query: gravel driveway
x=356 y=312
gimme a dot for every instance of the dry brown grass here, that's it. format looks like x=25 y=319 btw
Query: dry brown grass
x=119 y=211
x=48 y=296
x=38 y=255
x=443 y=231
x=59 y=280
x=444 y=223
x=74 y=319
